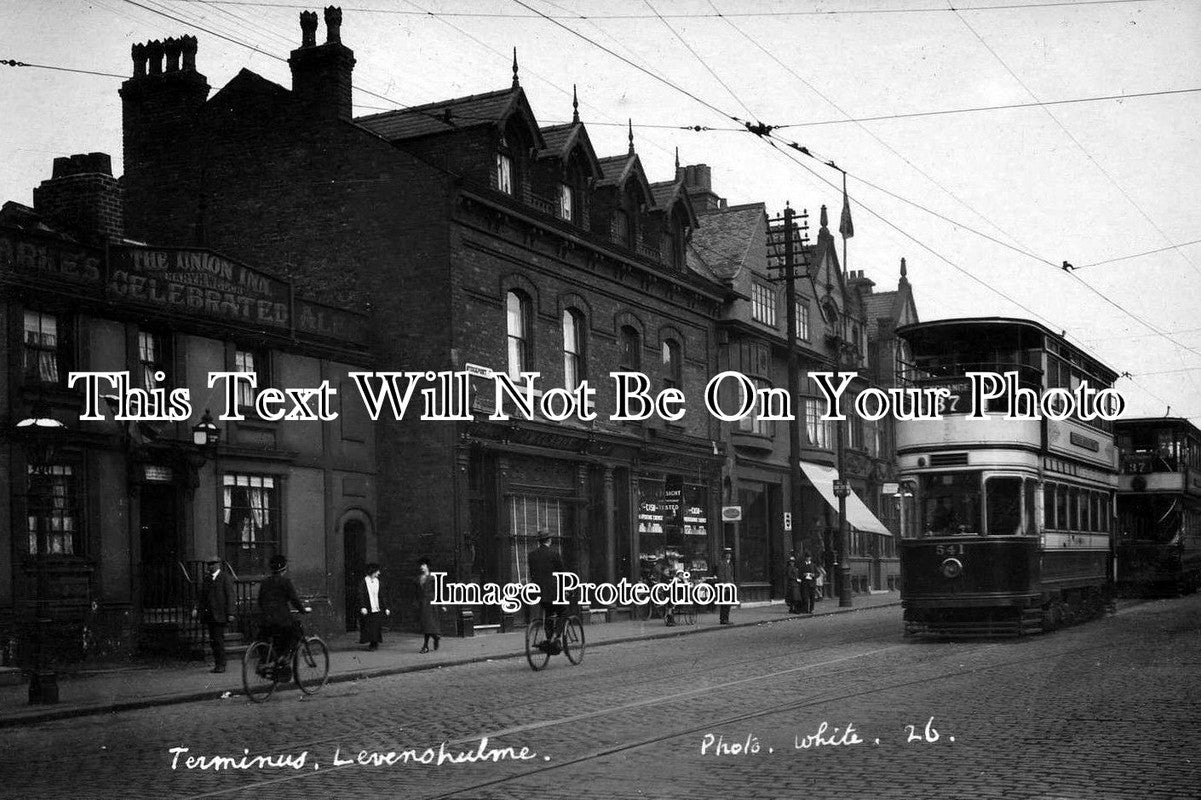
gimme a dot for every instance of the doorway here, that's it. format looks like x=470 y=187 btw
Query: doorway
x=354 y=557
x=159 y=516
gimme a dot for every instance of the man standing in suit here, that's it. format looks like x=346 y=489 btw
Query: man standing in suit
x=725 y=574
x=544 y=563
x=217 y=608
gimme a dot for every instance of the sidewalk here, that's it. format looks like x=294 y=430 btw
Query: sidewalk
x=140 y=685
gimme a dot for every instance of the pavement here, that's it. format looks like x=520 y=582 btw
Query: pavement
x=142 y=685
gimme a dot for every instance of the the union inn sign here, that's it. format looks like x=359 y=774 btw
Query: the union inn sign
x=196 y=283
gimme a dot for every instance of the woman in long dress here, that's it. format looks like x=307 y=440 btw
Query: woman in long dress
x=431 y=624
x=371 y=608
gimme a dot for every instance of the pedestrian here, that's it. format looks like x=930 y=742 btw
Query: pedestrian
x=808 y=572
x=431 y=623
x=217 y=606
x=820 y=583
x=725 y=574
x=371 y=608
x=544 y=563
x=792 y=586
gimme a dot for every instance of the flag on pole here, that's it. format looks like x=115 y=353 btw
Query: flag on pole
x=844 y=225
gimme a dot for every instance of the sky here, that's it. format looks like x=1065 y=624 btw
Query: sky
x=984 y=205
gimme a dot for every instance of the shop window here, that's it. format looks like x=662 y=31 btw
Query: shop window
x=673 y=527
x=51 y=510
x=252 y=520
x=528 y=516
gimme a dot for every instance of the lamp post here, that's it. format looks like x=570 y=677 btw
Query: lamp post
x=39 y=432
x=206 y=434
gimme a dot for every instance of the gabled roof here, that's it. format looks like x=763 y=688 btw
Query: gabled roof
x=561 y=139
x=668 y=193
x=248 y=84
x=616 y=170
x=879 y=305
x=721 y=242
x=444 y=116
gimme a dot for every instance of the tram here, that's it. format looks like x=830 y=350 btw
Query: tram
x=1158 y=546
x=1014 y=518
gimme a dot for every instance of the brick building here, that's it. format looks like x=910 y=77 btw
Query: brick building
x=115 y=519
x=471 y=235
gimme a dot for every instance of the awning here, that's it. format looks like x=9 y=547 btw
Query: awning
x=858 y=515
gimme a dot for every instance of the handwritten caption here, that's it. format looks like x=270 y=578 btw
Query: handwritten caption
x=824 y=736
x=182 y=758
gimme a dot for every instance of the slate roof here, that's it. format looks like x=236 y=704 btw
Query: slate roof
x=879 y=306
x=720 y=245
x=614 y=168
x=440 y=117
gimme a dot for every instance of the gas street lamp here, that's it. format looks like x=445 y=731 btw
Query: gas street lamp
x=39 y=433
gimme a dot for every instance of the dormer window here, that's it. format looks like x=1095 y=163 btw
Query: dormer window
x=566 y=202
x=504 y=173
x=621 y=230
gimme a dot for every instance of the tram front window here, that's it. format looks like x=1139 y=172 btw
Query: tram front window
x=951 y=503
x=1004 y=506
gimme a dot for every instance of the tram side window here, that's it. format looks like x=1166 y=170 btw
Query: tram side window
x=951 y=503
x=1061 y=508
x=1031 y=492
x=1049 y=506
x=1004 y=497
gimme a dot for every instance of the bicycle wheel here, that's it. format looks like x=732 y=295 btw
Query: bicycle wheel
x=258 y=671
x=310 y=665
x=573 y=640
x=687 y=614
x=536 y=651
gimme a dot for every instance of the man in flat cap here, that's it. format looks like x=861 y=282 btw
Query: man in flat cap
x=217 y=608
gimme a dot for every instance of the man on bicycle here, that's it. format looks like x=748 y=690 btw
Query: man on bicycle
x=277 y=596
x=544 y=563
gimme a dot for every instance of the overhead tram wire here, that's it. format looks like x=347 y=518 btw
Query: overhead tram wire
x=703 y=62
x=867 y=130
x=691 y=15
x=1140 y=255
x=1075 y=141
x=12 y=62
x=767 y=135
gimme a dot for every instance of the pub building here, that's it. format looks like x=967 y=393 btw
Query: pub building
x=477 y=239
x=109 y=523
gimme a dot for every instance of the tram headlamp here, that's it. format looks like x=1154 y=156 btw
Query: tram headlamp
x=952 y=568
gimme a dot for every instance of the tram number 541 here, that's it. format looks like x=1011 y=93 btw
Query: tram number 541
x=949 y=550
x=927 y=735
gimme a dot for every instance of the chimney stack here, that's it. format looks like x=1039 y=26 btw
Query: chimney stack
x=83 y=198
x=321 y=74
x=159 y=105
x=698 y=183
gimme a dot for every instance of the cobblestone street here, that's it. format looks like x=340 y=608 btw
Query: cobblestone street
x=1103 y=710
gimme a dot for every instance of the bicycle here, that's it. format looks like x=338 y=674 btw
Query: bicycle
x=306 y=662
x=568 y=639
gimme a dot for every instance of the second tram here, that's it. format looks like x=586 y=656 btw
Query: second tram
x=1158 y=544
x=1015 y=517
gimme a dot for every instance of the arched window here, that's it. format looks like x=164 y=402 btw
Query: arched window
x=673 y=367
x=517 y=312
x=631 y=350
x=573 y=347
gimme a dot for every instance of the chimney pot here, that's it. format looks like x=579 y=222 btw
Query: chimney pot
x=308 y=28
x=188 y=47
x=172 y=50
x=333 y=24
x=154 y=55
x=138 y=52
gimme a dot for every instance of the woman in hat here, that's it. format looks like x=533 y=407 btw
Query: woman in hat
x=371 y=608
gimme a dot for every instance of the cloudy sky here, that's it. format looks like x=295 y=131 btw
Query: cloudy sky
x=985 y=204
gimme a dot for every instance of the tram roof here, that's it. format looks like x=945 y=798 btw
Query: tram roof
x=1160 y=422
x=943 y=326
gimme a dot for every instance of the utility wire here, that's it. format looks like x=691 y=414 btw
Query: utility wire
x=12 y=62
x=703 y=15
x=1140 y=255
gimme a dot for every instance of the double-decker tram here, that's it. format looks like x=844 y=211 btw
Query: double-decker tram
x=1158 y=544
x=1014 y=516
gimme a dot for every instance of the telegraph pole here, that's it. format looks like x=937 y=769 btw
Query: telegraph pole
x=789 y=277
